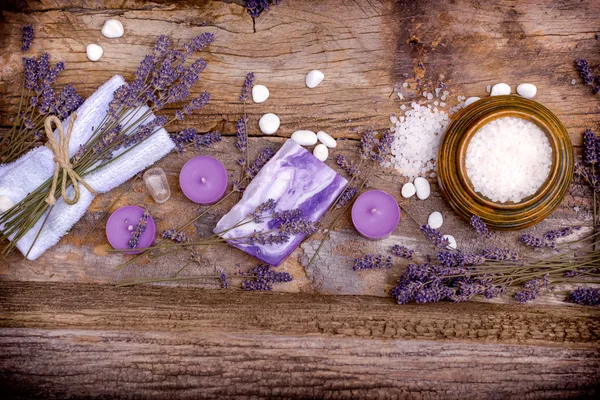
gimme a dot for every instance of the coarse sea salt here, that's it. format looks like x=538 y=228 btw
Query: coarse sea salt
x=508 y=159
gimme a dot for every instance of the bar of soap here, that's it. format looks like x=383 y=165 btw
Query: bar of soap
x=294 y=178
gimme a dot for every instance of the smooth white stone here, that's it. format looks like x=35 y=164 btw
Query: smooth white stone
x=6 y=203
x=269 y=123
x=304 y=138
x=113 y=28
x=500 y=89
x=94 y=52
x=260 y=93
x=527 y=90
x=326 y=139
x=452 y=241
x=435 y=220
x=408 y=190
x=471 y=100
x=321 y=152
x=314 y=78
x=422 y=187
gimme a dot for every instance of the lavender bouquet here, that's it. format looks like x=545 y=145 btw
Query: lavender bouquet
x=164 y=77
x=39 y=99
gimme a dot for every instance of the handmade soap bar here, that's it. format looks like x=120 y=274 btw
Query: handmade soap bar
x=295 y=179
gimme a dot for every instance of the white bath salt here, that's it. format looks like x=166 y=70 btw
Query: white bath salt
x=417 y=140
x=405 y=85
x=508 y=159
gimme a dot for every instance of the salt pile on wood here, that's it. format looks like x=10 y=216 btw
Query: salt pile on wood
x=508 y=159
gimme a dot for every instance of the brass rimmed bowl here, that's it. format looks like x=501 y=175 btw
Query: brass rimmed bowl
x=457 y=187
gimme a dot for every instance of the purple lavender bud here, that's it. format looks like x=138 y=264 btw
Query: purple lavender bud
x=367 y=142
x=247 y=87
x=384 y=147
x=80 y=153
x=584 y=71
x=372 y=261
x=403 y=252
x=27 y=37
x=480 y=227
x=585 y=296
x=590 y=148
x=346 y=197
x=348 y=166
x=497 y=254
x=435 y=236
x=531 y=289
x=261 y=209
x=535 y=242
x=559 y=233
x=224 y=281
x=262 y=277
x=174 y=235
x=43 y=66
x=263 y=157
x=200 y=42
x=207 y=140
x=139 y=229
x=242 y=136
x=48 y=103
x=162 y=45
x=30 y=68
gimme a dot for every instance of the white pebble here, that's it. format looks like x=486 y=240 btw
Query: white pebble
x=314 y=78
x=471 y=100
x=269 y=123
x=260 y=93
x=6 y=203
x=500 y=89
x=113 y=28
x=435 y=220
x=408 y=190
x=304 y=138
x=573 y=81
x=321 y=152
x=326 y=139
x=451 y=240
x=94 y=52
x=423 y=188
x=527 y=90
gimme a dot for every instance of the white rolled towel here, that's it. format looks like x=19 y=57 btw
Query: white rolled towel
x=26 y=174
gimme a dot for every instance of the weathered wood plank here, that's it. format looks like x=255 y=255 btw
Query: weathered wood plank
x=99 y=341
x=364 y=48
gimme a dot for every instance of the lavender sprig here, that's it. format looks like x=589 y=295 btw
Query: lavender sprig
x=532 y=289
x=403 y=252
x=27 y=37
x=262 y=277
x=139 y=229
x=263 y=157
x=346 y=197
x=348 y=166
x=175 y=236
x=247 y=87
x=435 y=236
x=372 y=261
x=590 y=148
x=256 y=7
x=259 y=212
x=585 y=296
x=583 y=67
x=480 y=227
x=536 y=242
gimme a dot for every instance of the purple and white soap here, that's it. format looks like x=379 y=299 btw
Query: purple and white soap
x=295 y=179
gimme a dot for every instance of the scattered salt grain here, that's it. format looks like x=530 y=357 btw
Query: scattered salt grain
x=405 y=85
x=508 y=159
x=573 y=82
x=429 y=96
x=446 y=93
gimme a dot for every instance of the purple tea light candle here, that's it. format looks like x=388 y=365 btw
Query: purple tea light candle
x=375 y=214
x=123 y=222
x=203 y=180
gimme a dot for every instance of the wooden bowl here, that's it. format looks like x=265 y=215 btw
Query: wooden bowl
x=455 y=183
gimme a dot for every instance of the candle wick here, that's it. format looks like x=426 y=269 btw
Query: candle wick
x=203 y=180
x=130 y=228
x=373 y=210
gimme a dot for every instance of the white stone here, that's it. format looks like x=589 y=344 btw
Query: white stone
x=435 y=220
x=500 y=89
x=6 y=203
x=321 y=152
x=260 y=93
x=113 y=28
x=269 y=123
x=304 y=138
x=452 y=241
x=422 y=187
x=408 y=190
x=471 y=100
x=314 y=78
x=94 y=52
x=527 y=90
x=326 y=139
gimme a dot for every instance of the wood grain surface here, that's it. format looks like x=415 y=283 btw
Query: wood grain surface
x=79 y=337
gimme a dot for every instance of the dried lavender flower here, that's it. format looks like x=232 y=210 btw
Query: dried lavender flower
x=242 y=136
x=258 y=214
x=346 y=196
x=27 y=37
x=372 y=261
x=590 y=148
x=480 y=227
x=559 y=233
x=585 y=296
x=139 y=229
x=263 y=157
x=536 y=242
x=247 y=87
x=497 y=254
x=262 y=277
x=175 y=236
x=256 y=7
x=403 y=252
x=584 y=71
x=531 y=289
x=224 y=281
x=435 y=236
x=348 y=166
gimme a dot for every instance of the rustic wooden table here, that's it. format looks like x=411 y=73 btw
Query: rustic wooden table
x=68 y=332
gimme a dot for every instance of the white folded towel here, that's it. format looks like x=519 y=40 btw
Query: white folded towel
x=21 y=177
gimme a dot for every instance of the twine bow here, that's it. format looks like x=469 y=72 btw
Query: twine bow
x=60 y=148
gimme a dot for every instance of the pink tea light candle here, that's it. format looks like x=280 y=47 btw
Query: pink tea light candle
x=203 y=180
x=123 y=223
x=375 y=214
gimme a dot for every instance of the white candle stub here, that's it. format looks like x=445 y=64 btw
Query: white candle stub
x=94 y=52
x=113 y=28
x=304 y=138
x=203 y=180
x=269 y=123
x=314 y=78
x=130 y=228
x=373 y=211
x=260 y=93
x=6 y=203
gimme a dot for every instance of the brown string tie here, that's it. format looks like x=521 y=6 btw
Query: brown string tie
x=62 y=160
